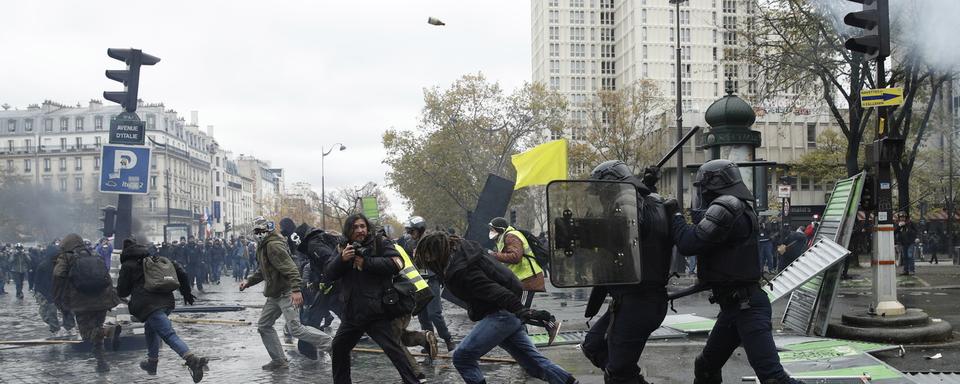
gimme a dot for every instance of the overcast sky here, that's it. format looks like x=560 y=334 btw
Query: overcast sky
x=277 y=79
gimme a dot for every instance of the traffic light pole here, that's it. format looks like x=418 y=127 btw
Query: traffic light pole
x=884 y=259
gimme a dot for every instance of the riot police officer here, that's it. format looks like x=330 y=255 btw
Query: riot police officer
x=724 y=237
x=615 y=342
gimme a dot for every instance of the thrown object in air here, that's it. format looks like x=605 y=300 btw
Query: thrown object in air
x=435 y=21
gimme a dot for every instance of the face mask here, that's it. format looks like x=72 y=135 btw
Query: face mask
x=261 y=235
x=493 y=235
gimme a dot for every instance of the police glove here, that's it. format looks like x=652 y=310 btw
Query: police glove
x=671 y=206
x=189 y=299
x=651 y=175
x=528 y=315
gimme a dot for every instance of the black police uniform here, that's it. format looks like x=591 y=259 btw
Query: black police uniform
x=616 y=341
x=725 y=239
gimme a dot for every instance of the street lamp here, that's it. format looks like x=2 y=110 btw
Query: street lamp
x=323 y=190
x=679 y=108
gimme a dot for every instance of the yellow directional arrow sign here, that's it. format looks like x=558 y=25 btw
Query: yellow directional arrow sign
x=885 y=97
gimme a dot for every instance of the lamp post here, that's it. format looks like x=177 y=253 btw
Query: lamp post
x=323 y=189
x=166 y=182
x=679 y=108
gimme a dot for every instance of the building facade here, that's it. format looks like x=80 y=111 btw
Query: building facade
x=580 y=47
x=58 y=147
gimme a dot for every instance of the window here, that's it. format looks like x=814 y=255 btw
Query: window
x=607 y=51
x=554 y=33
x=730 y=71
x=729 y=6
x=554 y=3
x=643 y=16
x=686 y=88
x=64 y=124
x=685 y=52
x=218 y=191
x=578 y=50
x=79 y=183
x=730 y=22
x=752 y=87
x=685 y=70
x=48 y=125
x=9 y=165
x=63 y=184
x=607 y=4
x=578 y=33
x=729 y=38
x=578 y=83
x=554 y=83
x=554 y=17
x=715 y=72
x=811 y=135
x=78 y=163
x=28 y=125
x=577 y=17
x=554 y=50
x=684 y=17
x=96 y=163
x=685 y=35
x=606 y=34
x=576 y=3
x=578 y=67
x=28 y=144
x=645 y=51
x=671 y=17
x=63 y=164
x=644 y=34
x=671 y=34
x=714 y=53
x=555 y=66
x=153 y=204
x=714 y=36
x=96 y=140
x=46 y=165
x=12 y=125
x=79 y=143
x=608 y=84
x=26 y=166
x=98 y=123
x=63 y=143
x=645 y=72
x=606 y=18
x=752 y=71
x=79 y=123
x=608 y=67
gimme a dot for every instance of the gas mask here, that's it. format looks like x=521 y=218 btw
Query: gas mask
x=261 y=235
x=493 y=235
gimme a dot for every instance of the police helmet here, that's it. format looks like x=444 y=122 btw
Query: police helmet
x=611 y=170
x=723 y=178
x=417 y=222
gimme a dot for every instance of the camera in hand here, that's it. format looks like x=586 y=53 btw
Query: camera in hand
x=358 y=249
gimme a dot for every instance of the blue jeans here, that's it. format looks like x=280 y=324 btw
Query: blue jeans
x=766 y=255
x=504 y=329
x=156 y=327
x=909 y=256
x=691 y=264
x=432 y=314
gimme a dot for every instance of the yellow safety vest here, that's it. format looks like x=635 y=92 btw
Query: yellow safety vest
x=527 y=267
x=409 y=271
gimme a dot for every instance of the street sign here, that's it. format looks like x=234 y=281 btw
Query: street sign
x=885 y=97
x=127 y=129
x=783 y=191
x=125 y=169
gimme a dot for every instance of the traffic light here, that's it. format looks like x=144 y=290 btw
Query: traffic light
x=875 y=20
x=109 y=221
x=227 y=226
x=130 y=77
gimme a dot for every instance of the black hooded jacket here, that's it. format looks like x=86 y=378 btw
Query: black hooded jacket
x=362 y=291
x=130 y=283
x=485 y=284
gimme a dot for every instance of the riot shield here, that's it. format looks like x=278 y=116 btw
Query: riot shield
x=595 y=237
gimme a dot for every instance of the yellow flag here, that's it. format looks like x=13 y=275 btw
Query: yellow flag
x=541 y=164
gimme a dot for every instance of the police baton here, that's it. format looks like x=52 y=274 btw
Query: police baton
x=678 y=146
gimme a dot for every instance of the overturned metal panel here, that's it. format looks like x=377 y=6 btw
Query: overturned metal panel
x=808 y=310
x=811 y=263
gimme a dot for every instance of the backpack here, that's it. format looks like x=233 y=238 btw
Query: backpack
x=540 y=253
x=159 y=275
x=87 y=272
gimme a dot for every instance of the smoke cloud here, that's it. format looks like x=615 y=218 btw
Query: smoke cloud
x=923 y=29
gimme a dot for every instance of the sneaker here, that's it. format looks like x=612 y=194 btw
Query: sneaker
x=276 y=365
x=150 y=366
x=421 y=378
x=430 y=345
x=451 y=345
x=553 y=328
x=196 y=365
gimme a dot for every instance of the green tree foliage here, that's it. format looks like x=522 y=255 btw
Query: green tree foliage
x=466 y=132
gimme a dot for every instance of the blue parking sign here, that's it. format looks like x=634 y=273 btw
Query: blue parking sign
x=125 y=169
